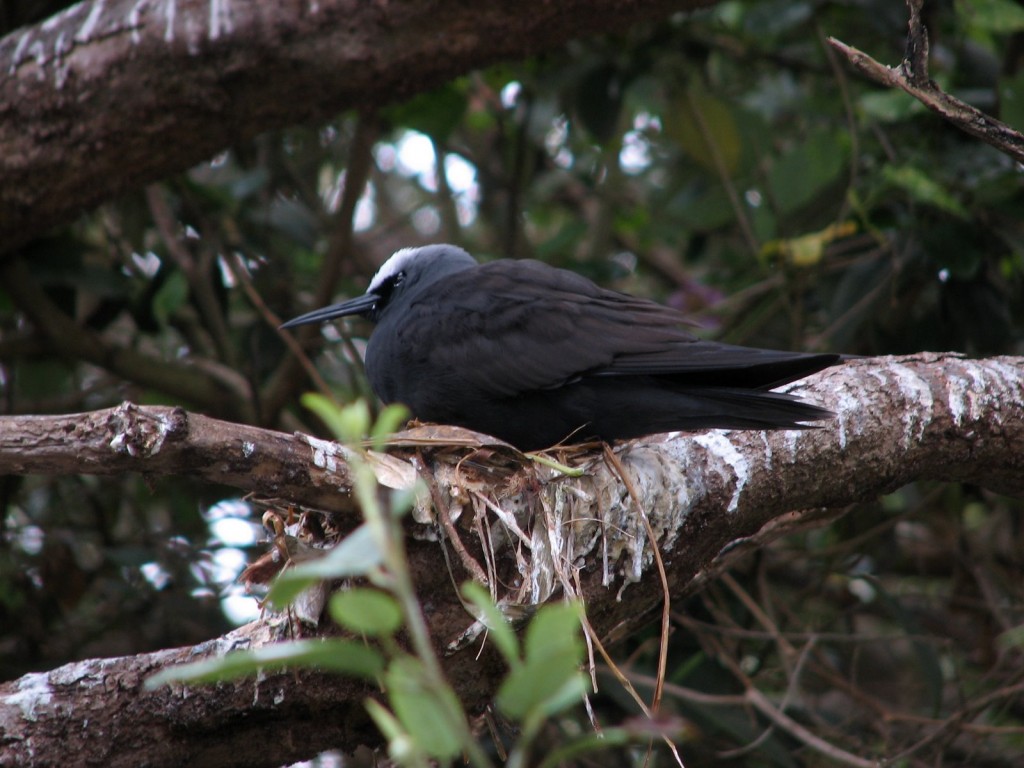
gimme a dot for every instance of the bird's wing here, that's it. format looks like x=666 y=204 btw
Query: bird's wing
x=708 y=363
x=510 y=327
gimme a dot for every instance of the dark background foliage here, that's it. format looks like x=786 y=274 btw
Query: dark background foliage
x=725 y=162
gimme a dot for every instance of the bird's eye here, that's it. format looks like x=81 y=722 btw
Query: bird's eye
x=399 y=278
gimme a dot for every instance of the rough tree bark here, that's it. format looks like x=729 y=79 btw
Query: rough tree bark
x=107 y=96
x=929 y=416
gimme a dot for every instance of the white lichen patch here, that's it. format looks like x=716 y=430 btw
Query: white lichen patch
x=1004 y=378
x=139 y=434
x=164 y=425
x=958 y=392
x=62 y=68
x=767 y=449
x=1004 y=382
x=33 y=695
x=792 y=440
x=541 y=575
x=19 y=49
x=133 y=20
x=969 y=393
x=918 y=399
x=58 y=19
x=220 y=18
x=846 y=404
x=170 y=10
x=236 y=640
x=721 y=448
x=325 y=453
x=84 y=33
x=85 y=674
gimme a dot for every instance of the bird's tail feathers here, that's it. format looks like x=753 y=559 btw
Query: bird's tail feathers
x=757 y=409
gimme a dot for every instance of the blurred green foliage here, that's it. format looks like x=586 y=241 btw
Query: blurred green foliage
x=725 y=162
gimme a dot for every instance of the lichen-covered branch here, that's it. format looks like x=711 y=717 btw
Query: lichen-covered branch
x=899 y=419
x=108 y=96
x=97 y=712
x=158 y=440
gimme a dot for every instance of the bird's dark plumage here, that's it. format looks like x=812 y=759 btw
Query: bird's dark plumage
x=536 y=355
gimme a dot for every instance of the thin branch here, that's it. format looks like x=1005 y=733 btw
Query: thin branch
x=711 y=142
x=197 y=273
x=288 y=376
x=213 y=387
x=912 y=76
x=763 y=704
x=666 y=607
x=244 y=279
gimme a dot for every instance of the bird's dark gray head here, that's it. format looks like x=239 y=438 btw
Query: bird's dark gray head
x=407 y=272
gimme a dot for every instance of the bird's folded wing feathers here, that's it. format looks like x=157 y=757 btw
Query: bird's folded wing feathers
x=585 y=331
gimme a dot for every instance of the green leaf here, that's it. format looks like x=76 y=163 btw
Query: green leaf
x=402 y=748
x=386 y=722
x=555 y=628
x=769 y=19
x=1011 y=100
x=575 y=748
x=390 y=419
x=1000 y=16
x=335 y=655
x=550 y=679
x=923 y=188
x=368 y=611
x=356 y=555
x=807 y=250
x=889 y=106
x=428 y=710
x=499 y=629
x=171 y=296
x=435 y=114
x=705 y=126
x=703 y=209
x=544 y=684
x=1011 y=639
x=349 y=423
x=802 y=175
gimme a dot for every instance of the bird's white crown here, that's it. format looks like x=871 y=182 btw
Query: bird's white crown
x=397 y=262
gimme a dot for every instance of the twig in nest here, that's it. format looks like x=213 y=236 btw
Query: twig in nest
x=447 y=527
x=666 y=610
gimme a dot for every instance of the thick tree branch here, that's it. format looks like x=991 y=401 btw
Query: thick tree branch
x=929 y=416
x=158 y=440
x=108 y=96
x=912 y=76
x=98 y=712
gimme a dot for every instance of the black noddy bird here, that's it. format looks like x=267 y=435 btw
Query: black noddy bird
x=536 y=355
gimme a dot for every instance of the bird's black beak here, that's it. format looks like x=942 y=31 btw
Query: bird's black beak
x=356 y=306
